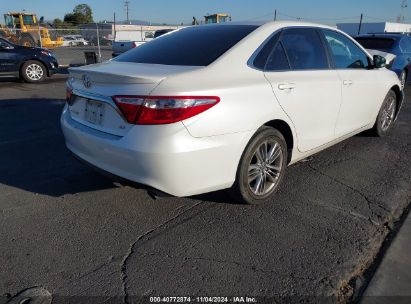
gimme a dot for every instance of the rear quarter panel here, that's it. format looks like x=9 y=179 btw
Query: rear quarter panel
x=246 y=101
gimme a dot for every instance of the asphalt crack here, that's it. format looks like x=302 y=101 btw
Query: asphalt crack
x=369 y=202
x=131 y=251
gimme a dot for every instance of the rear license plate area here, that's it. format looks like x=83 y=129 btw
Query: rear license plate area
x=94 y=112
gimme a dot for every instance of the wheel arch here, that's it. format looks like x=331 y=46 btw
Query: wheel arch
x=400 y=98
x=285 y=129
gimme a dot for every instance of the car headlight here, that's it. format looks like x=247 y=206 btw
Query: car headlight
x=47 y=53
x=390 y=64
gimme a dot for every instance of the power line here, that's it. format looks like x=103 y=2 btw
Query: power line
x=259 y=17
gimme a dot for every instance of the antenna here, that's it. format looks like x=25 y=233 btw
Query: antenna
x=400 y=17
x=126 y=6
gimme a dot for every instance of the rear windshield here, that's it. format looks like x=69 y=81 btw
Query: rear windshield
x=382 y=44
x=192 y=46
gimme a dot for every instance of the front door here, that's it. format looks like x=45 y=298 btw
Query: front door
x=359 y=83
x=8 y=58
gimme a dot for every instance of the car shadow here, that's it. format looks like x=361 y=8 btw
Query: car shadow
x=33 y=156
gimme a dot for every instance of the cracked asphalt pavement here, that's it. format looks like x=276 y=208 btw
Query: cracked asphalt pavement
x=73 y=232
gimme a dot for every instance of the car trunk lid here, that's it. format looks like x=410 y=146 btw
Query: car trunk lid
x=93 y=87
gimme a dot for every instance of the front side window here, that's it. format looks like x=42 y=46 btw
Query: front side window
x=304 y=49
x=28 y=20
x=346 y=54
x=4 y=44
x=9 y=21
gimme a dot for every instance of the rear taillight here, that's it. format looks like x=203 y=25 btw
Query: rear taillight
x=134 y=45
x=69 y=95
x=156 y=110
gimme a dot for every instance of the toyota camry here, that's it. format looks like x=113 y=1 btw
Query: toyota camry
x=221 y=106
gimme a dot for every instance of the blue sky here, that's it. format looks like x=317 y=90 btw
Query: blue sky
x=177 y=11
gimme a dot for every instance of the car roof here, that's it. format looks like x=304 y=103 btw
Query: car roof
x=278 y=24
x=384 y=35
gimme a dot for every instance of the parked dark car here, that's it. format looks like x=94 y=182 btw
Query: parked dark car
x=28 y=63
x=398 y=44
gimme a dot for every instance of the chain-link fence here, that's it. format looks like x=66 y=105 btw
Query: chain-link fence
x=89 y=43
x=68 y=45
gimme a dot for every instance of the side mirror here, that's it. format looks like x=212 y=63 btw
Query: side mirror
x=379 y=62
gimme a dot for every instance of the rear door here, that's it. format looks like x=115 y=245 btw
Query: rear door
x=304 y=84
x=360 y=89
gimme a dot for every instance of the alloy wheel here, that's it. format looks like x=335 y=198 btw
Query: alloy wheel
x=403 y=79
x=388 y=113
x=34 y=71
x=265 y=167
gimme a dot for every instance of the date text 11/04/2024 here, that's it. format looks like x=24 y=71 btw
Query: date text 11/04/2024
x=239 y=299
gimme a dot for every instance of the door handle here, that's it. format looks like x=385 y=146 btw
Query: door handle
x=347 y=82
x=286 y=86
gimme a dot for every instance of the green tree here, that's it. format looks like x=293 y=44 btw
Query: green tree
x=81 y=14
x=57 y=23
x=84 y=12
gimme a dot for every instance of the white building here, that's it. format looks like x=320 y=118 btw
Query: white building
x=375 y=27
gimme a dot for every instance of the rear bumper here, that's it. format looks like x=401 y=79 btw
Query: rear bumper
x=164 y=157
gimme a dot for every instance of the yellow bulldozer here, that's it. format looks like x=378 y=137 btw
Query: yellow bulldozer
x=217 y=18
x=213 y=18
x=24 y=29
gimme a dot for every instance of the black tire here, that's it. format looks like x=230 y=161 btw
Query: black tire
x=33 y=71
x=27 y=41
x=403 y=79
x=386 y=115
x=245 y=188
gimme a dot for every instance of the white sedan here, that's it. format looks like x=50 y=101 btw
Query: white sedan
x=226 y=106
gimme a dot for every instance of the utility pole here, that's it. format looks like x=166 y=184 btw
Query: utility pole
x=360 y=25
x=275 y=15
x=126 y=6
x=115 y=32
x=404 y=5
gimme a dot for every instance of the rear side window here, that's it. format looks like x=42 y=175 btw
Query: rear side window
x=374 y=43
x=192 y=46
x=261 y=59
x=278 y=60
x=346 y=54
x=304 y=49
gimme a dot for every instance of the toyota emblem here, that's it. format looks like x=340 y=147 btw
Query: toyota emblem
x=86 y=81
